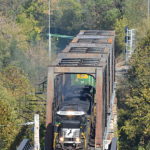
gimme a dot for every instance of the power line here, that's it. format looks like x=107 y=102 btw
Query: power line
x=148 y=2
x=24 y=124
x=61 y=36
x=50 y=47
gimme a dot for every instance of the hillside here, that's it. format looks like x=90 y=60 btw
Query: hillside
x=24 y=59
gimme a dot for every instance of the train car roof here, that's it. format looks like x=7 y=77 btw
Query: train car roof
x=95 y=36
x=89 y=50
x=94 y=40
x=86 y=49
x=97 y=32
x=80 y=60
x=107 y=45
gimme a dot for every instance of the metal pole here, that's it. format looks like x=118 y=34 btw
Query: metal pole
x=36 y=132
x=131 y=42
x=50 y=49
x=148 y=10
x=127 y=34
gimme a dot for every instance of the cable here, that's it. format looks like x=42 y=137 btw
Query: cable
x=61 y=36
x=24 y=124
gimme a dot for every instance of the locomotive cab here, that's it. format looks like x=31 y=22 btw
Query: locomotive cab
x=69 y=127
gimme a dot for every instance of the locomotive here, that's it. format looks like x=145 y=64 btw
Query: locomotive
x=74 y=122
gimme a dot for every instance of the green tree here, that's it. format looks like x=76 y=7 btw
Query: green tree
x=134 y=122
x=33 y=18
x=66 y=16
x=15 y=80
x=135 y=11
x=120 y=35
x=103 y=14
x=8 y=120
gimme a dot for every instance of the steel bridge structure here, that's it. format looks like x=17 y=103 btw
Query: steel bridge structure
x=91 y=52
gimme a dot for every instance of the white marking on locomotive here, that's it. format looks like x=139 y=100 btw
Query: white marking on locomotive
x=70 y=133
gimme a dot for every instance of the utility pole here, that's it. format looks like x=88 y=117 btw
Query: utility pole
x=36 y=132
x=148 y=15
x=50 y=49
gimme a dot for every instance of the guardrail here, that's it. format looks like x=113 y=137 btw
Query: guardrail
x=25 y=145
x=113 y=144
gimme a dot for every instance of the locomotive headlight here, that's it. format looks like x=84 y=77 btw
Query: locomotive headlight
x=77 y=139
x=71 y=113
x=61 y=139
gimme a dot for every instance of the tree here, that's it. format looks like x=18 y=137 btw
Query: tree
x=134 y=122
x=8 y=120
x=66 y=16
x=103 y=14
x=14 y=80
x=135 y=11
x=120 y=32
x=33 y=18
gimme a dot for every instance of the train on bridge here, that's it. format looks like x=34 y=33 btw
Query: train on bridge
x=81 y=103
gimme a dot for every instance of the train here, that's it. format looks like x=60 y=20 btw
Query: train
x=80 y=92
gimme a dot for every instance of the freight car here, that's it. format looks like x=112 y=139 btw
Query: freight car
x=79 y=93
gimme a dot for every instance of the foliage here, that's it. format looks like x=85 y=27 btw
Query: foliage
x=134 y=122
x=23 y=60
x=71 y=16
x=14 y=80
x=9 y=118
x=66 y=16
x=11 y=31
x=120 y=32
x=134 y=15
x=135 y=11
x=32 y=18
x=103 y=14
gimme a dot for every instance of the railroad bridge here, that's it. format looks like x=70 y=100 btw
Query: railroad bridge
x=90 y=53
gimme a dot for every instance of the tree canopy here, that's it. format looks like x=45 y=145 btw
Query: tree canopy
x=24 y=28
x=134 y=122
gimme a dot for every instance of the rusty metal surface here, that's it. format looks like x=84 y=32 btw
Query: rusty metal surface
x=96 y=40
x=82 y=70
x=99 y=108
x=88 y=49
x=90 y=45
x=50 y=96
x=79 y=55
x=76 y=60
x=97 y=32
x=94 y=37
